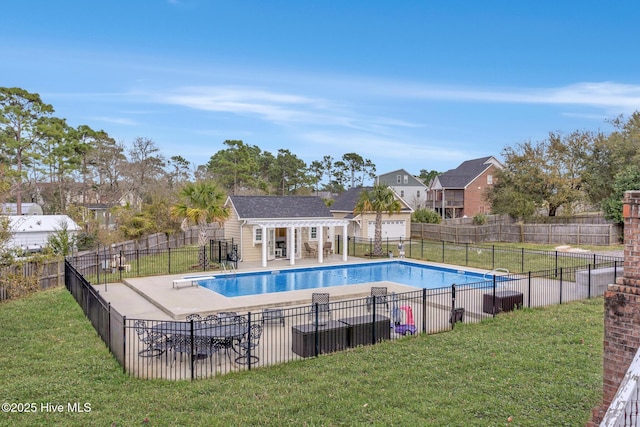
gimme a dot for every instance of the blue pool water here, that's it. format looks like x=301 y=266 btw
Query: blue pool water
x=417 y=275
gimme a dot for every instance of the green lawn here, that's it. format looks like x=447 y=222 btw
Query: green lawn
x=534 y=367
x=516 y=258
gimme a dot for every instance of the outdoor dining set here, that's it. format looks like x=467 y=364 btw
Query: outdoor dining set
x=317 y=328
x=201 y=338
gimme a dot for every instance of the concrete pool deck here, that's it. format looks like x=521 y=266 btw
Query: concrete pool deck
x=154 y=297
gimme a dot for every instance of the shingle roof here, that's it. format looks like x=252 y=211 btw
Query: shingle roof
x=464 y=174
x=347 y=201
x=280 y=207
x=390 y=178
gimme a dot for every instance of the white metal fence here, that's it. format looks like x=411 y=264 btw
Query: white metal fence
x=625 y=407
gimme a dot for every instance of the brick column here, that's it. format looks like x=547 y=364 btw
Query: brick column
x=622 y=309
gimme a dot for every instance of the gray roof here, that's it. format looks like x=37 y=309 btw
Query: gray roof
x=390 y=178
x=347 y=201
x=267 y=207
x=466 y=173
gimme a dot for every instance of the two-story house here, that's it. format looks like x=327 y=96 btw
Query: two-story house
x=409 y=188
x=460 y=192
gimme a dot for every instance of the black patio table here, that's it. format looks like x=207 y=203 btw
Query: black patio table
x=221 y=331
x=225 y=334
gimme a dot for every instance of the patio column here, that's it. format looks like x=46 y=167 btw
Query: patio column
x=320 y=243
x=265 y=243
x=345 y=242
x=291 y=246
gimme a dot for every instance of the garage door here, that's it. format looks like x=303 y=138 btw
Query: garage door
x=392 y=229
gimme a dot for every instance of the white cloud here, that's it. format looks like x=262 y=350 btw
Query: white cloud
x=279 y=107
x=272 y=106
x=378 y=148
x=602 y=94
x=115 y=120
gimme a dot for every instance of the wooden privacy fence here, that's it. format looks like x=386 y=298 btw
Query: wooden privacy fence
x=165 y=241
x=52 y=274
x=560 y=234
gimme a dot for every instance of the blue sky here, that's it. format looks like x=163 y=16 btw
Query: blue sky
x=407 y=84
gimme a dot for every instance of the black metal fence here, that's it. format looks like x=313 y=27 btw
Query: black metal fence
x=474 y=255
x=224 y=251
x=225 y=342
x=107 y=266
x=106 y=320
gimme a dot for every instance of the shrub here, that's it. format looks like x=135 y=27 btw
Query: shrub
x=480 y=219
x=426 y=216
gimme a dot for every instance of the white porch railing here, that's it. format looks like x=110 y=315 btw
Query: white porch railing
x=625 y=407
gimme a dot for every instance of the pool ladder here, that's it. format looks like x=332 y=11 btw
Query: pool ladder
x=231 y=270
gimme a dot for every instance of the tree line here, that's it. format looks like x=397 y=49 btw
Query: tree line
x=65 y=169
x=568 y=173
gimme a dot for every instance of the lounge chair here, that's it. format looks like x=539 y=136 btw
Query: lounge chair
x=271 y=314
x=321 y=302
x=379 y=295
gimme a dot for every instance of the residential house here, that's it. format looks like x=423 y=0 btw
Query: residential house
x=31 y=232
x=460 y=192
x=409 y=188
x=268 y=228
x=395 y=227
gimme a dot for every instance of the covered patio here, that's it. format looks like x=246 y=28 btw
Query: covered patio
x=269 y=226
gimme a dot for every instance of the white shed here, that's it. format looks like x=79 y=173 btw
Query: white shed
x=31 y=232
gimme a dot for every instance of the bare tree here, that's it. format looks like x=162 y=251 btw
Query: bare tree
x=144 y=169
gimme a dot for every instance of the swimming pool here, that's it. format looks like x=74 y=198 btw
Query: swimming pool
x=406 y=273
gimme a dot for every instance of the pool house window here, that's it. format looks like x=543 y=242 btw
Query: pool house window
x=257 y=235
x=313 y=233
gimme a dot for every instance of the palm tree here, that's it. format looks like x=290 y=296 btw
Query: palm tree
x=379 y=199
x=202 y=204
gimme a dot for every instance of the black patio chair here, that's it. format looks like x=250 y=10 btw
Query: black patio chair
x=228 y=316
x=199 y=349
x=154 y=344
x=247 y=346
x=457 y=315
x=205 y=348
x=182 y=344
x=211 y=319
x=194 y=316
